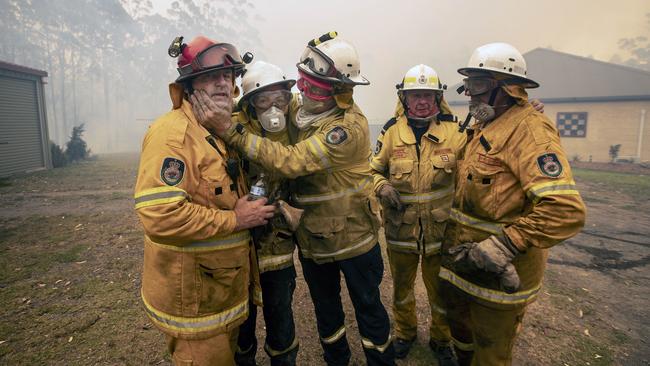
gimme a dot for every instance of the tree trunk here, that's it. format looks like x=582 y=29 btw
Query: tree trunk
x=64 y=115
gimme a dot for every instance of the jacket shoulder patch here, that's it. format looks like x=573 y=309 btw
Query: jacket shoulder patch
x=172 y=171
x=336 y=136
x=549 y=165
x=378 y=147
x=388 y=125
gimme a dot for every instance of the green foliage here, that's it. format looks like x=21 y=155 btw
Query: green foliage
x=58 y=156
x=76 y=148
x=635 y=185
x=613 y=151
x=638 y=49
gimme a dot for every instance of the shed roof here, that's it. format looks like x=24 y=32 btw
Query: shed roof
x=22 y=69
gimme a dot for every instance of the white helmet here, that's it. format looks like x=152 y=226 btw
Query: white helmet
x=421 y=77
x=262 y=74
x=332 y=59
x=500 y=58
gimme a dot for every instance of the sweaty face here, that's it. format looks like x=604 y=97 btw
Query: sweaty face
x=218 y=84
x=421 y=103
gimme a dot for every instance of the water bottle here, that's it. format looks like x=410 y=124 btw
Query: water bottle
x=259 y=189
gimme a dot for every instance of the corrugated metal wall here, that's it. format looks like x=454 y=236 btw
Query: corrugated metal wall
x=21 y=145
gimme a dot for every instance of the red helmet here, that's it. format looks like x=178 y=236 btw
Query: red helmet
x=204 y=55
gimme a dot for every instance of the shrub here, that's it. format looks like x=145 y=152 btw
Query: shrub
x=58 y=156
x=76 y=149
x=613 y=151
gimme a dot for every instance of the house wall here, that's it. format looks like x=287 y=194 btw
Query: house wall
x=608 y=123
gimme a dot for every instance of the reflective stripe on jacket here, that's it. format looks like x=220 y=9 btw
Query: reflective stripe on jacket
x=424 y=181
x=332 y=182
x=276 y=246
x=514 y=180
x=197 y=269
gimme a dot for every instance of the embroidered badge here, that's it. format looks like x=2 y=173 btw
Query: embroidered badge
x=549 y=165
x=444 y=157
x=482 y=158
x=172 y=171
x=399 y=153
x=441 y=151
x=378 y=147
x=336 y=136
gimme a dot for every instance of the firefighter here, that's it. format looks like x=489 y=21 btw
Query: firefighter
x=515 y=198
x=329 y=162
x=413 y=168
x=191 y=200
x=263 y=110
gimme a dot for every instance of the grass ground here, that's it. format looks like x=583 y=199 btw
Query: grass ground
x=71 y=255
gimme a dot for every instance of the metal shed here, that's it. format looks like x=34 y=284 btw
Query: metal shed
x=24 y=139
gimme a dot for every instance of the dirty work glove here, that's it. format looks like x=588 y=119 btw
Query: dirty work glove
x=389 y=198
x=492 y=255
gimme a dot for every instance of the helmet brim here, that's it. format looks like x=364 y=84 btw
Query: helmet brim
x=237 y=68
x=357 y=80
x=508 y=78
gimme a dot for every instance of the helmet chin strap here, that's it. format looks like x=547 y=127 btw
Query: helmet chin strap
x=493 y=96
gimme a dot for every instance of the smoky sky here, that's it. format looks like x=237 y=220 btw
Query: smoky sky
x=392 y=36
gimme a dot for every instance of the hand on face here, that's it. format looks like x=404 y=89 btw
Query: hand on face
x=214 y=115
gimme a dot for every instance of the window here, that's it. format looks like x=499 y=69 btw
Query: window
x=572 y=124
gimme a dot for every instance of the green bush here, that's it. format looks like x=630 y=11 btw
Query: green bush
x=58 y=156
x=76 y=149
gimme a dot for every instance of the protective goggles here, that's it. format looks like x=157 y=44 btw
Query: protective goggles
x=478 y=86
x=318 y=62
x=220 y=55
x=264 y=100
x=314 y=90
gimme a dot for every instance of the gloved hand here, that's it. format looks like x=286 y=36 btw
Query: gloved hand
x=389 y=197
x=492 y=255
x=393 y=206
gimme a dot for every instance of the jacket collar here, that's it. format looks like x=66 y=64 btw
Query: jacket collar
x=177 y=95
x=434 y=133
x=496 y=133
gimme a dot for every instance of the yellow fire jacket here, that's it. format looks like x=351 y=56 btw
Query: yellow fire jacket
x=424 y=178
x=514 y=180
x=277 y=243
x=330 y=164
x=197 y=270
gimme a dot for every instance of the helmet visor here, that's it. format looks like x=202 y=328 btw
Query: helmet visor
x=218 y=56
x=317 y=62
x=478 y=86
x=264 y=100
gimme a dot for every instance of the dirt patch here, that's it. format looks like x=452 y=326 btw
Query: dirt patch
x=71 y=256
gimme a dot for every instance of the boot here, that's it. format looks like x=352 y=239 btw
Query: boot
x=402 y=347
x=444 y=353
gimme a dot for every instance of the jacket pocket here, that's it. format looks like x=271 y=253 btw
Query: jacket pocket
x=401 y=225
x=400 y=175
x=444 y=167
x=481 y=193
x=223 y=282
x=324 y=234
x=324 y=227
x=217 y=191
x=438 y=223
